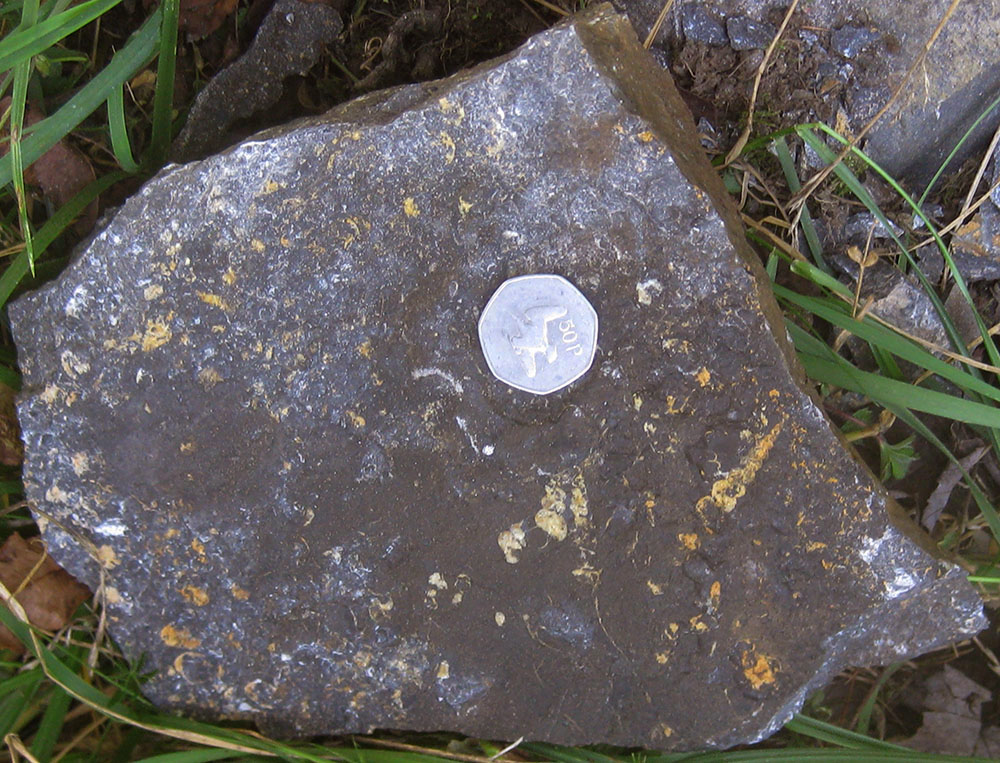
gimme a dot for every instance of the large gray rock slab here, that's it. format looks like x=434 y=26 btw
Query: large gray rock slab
x=256 y=408
x=871 y=45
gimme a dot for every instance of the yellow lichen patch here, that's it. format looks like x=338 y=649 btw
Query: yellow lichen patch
x=646 y=136
x=257 y=245
x=449 y=146
x=690 y=541
x=81 y=463
x=500 y=618
x=715 y=593
x=112 y=595
x=365 y=349
x=157 y=334
x=107 y=557
x=666 y=730
x=209 y=377
x=238 y=593
x=195 y=595
x=511 y=541
x=697 y=624
x=438 y=581
x=56 y=494
x=199 y=548
x=673 y=408
x=172 y=636
x=728 y=490
x=214 y=300
x=704 y=376
x=815 y=545
x=578 y=502
x=457 y=598
x=356 y=419
x=551 y=523
x=657 y=590
x=662 y=657
x=269 y=186
x=50 y=394
x=759 y=669
x=187 y=447
x=463 y=206
x=637 y=401
x=379 y=610
x=151 y=292
x=229 y=277
x=443 y=671
x=410 y=207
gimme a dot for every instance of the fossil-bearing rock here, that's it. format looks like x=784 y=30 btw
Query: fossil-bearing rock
x=256 y=405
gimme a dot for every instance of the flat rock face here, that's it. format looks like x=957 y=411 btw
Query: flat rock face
x=258 y=402
x=871 y=45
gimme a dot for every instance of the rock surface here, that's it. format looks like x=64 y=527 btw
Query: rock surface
x=959 y=78
x=289 y=41
x=257 y=408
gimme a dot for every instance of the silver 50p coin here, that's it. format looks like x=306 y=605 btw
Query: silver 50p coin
x=538 y=333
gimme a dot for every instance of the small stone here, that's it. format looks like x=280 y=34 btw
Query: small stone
x=861 y=225
x=746 y=34
x=700 y=25
x=321 y=512
x=289 y=41
x=851 y=41
x=976 y=246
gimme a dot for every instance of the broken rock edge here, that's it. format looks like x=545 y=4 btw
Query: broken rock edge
x=688 y=156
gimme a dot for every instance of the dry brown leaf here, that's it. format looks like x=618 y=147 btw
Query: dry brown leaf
x=953 y=717
x=60 y=173
x=49 y=597
x=11 y=449
x=199 y=18
x=950 y=476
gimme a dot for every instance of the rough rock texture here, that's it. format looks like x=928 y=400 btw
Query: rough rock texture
x=257 y=407
x=976 y=250
x=880 y=40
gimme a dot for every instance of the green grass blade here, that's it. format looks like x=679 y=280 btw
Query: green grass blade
x=11 y=487
x=811 y=273
x=852 y=182
x=827 y=732
x=986 y=508
x=951 y=155
x=848 y=177
x=22 y=73
x=821 y=756
x=15 y=704
x=119 y=131
x=866 y=709
x=54 y=226
x=889 y=341
x=198 y=756
x=136 y=53
x=25 y=42
x=163 y=100
x=889 y=392
x=562 y=754
x=795 y=185
x=50 y=727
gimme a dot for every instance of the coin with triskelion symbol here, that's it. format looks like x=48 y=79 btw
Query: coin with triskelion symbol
x=538 y=333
